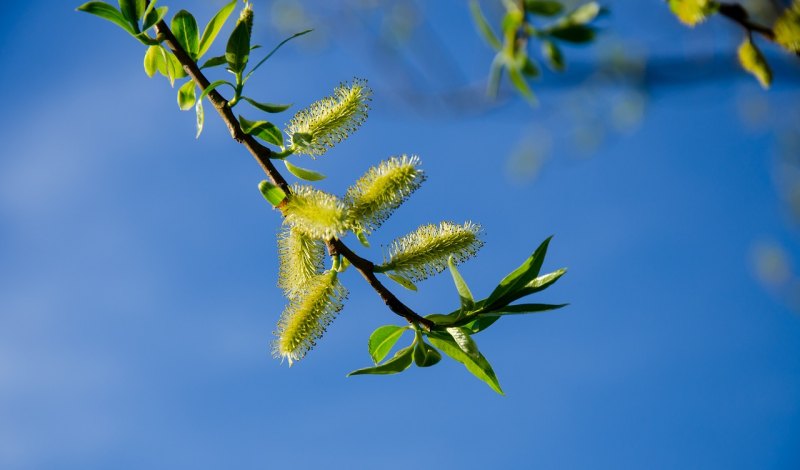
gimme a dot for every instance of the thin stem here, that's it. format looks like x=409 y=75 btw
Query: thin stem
x=738 y=14
x=262 y=155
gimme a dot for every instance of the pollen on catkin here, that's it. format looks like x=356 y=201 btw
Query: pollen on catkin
x=305 y=319
x=373 y=198
x=787 y=28
x=317 y=213
x=301 y=258
x=425 y=251
x=246 y=17
x=693 y=12
x=312 y=131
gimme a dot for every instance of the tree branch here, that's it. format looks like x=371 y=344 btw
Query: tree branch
x=262 y=155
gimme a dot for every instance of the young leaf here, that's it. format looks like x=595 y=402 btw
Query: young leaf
x=237 y=52
x=362 y=238
x=131 y=11
x=543 y=7
x=555 y=59
x=539 y=284
x=521 y=85
x=153 y=16
x=273 y=194
x=467 y=301
x=186 y=96
x=584 y=13
x=523 y=308
x=481 y=323
x=151 y=58
x=518 y=278
x=275 y=49
x=754 y=62
x=303 y=173
x=574 y=33
x=264 y=130
x=184 y=27
x=477 y=365
x=214 y=85
x=400 y=362
x=201 y=117
x=383 y=339
x=213 y=27
x=463 y=340
x=214 y=62
x=403 y=281
x=107 y=12
x=267 y=107
x=483 y=25
x=425 y=355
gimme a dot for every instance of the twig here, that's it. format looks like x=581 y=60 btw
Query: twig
x=262 y=156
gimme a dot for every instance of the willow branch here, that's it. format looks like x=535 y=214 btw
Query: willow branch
x=262 y=155
x=738 y=14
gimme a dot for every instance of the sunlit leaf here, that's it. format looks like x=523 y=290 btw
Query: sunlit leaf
x=107 y=12
x=184 y=27
x=400 y=362
x=477 y=365
x=464 y=294
x=275 y=49
x=186 y=96
x=383 y=339
x=264 y=130
x=483 y=25
x=267 y=107
x=213 y=27
x=303 y=173
x=273 y=194
x=403 y=281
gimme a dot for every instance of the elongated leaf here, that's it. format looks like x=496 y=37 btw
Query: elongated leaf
x=477 y=365
x=400 y=362
x=523 y=309
x=543 y=7
x=184 y=27
x=521 y=85
x=107 y=12
x=201 y=118
x=577 y=34
x=402 y=280
x=151 y=58
x=539 y=284
x=128 y=9
x=518 y=278
x=237 y=52
x=267 y=107
x=464 y=294
x=383 y=339
x=495 y=74
x=584 y=13
x=481 y=323
x=483 y=25
x=463 y=340
x=303 y=173
x=212 y=86
x=555 y=59
x=264 y=130
x=273 y=194
x=153 y=16
x=213 y=27
x=362 y=238
x=186 y=96
x=425 y=355
x=274 y=50
x=214 y=62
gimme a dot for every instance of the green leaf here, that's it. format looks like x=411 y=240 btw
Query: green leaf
x=403 y=281
x=212 y=86
x=201 y=117
x=264 y=130
x=495 y=74
x=523 y=308
x=521 y=85
x=214 y=62
x=237 y=52
x=151 y=58
x=186 y=96
x=107 y=12
x=267 y=107
x=425 y=355
x=169 y=66
x=213 y=27
x=153 y=16
x=467 y=301
x=576 y=34
x=753 y=61
x=273 y=194
x=383 y=339
x=543 y=7
x=184 y=27
x=129 y=11
x=584 y=13
x=529 y=68
x=539 y=284
x=274 y=50
x=463 y=340
x=362 y=238
x=483 y=25
x=303 y=173
x=400 y=362
x=481 y=323
x=477 y=365
x=518 y=278
x=555 y=59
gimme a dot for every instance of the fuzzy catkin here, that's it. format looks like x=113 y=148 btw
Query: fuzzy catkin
x=301 y=258
x=382 y=189
x=425 y=251
x=317 y=213
x=314 y=130
x=306 y=317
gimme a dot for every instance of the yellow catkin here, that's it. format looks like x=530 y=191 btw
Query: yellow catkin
x=330 y=120
x=787 y=28
x=425 y=251
x=693 y=12
x=301 y=258
x=305 y=319
x=317 y=213
x=373 y=198
x=754 y=62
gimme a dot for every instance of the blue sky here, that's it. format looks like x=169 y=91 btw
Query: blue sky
x=138 y=265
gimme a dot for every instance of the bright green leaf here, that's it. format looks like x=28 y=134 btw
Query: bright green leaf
x=274 y=50
x=153 y=16
x=237 y=52
x=478 y=366
x=214 y=62
x=184 y=27
x=539 y=284
x=483 y=25
x=362 y=238
x=264 y=130
x=521 y=85
x=128 y=9
x=303 y=173
x=267 y=107
x=151 y=58
x=467 y=301
x=402 y=280
x=400 y=362
x=212 y=86
x=524 y=308
x=425 y=355
x=584 y=13
x=383 y=339
x=481 y=323
x=518 y=278
x=186 y=96
x=463 y=340
x=107 y=12
x=273 y=194
x=213 y=27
